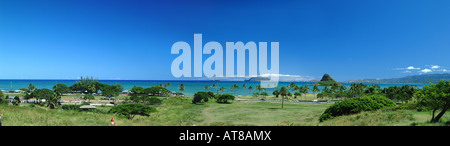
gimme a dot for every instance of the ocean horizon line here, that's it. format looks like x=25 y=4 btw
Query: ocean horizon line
x=149 y=80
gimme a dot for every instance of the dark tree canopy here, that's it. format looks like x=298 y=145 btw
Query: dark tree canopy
x=61 y=88
x=157 y=91
x=137 y=90
x=224 y=98
x=51 y=98
x=436 y=97
x=200 y=97
x=86 y=85
x=130 y=110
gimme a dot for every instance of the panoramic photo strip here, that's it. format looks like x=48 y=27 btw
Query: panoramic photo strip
x=240 y=70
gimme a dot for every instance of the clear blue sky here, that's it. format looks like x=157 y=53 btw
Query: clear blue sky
x=129 y=39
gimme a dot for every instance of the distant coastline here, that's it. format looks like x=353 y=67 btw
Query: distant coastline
x=427 y=78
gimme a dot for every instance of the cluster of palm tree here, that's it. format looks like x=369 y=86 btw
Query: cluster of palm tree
x=333 y=91
x=166 y=85
x=298 y=90
x=234 y=87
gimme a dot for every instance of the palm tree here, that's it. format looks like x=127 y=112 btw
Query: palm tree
x=259 y=87
x=295 y=88
x=315 y=89
x=235 y=86
x=206 y=87
x=304 y=90
x=292 y=85
x=283 y=92
x=334 y=87
x=276 y=93
x=31 y=87
x=166 y=85
x=249 y=89
x=222 y=89
x=214 y=86
x=232 y=88
x=181 y=88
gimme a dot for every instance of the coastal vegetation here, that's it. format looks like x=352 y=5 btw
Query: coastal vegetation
x=201 y=97
x=403 y=105
x=435 y=97
x=181 y=111
x=224 y=98
x=356 y=105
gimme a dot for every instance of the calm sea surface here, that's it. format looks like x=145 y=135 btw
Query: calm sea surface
x=190 y=86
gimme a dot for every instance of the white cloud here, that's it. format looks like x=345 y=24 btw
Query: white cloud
x=412 y=67
x=289 y=78
x=408 y=68
x=279 y=75
x=435 y=66
x=426 y=71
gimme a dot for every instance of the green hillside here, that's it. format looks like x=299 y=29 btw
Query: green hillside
x=327 y=80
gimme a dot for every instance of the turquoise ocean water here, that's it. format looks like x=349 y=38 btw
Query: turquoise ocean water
x=190 y=86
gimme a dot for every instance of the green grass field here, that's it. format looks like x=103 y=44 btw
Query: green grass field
x=261 y=113
x=307 y=97
x=181 y=111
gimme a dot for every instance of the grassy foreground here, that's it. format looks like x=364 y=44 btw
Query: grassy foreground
x=181 y=111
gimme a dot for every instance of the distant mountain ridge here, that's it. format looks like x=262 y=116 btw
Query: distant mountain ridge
x=427 y=78
x=257 y=79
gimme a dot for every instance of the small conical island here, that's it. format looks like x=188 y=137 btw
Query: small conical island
x=327 y=80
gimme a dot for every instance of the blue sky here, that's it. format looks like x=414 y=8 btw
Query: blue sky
x=118 y=39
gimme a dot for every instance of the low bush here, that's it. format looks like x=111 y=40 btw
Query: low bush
x=410 y=106
x=130 y=110
x=200 y=97
x=356 y=105
x=414 y=106
x=153 y=101
x=224 y=98
x=4 y=101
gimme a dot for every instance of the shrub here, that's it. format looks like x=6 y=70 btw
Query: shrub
x=264 y=94
x=32 y=105
x=157 y=91
x=356 y=105
x=16 y=101
x=130 y=110
x=200 y=97
x=4 y=101
x=224 y=98
x=211 y=94
x=153 y=101
x=410 y=106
